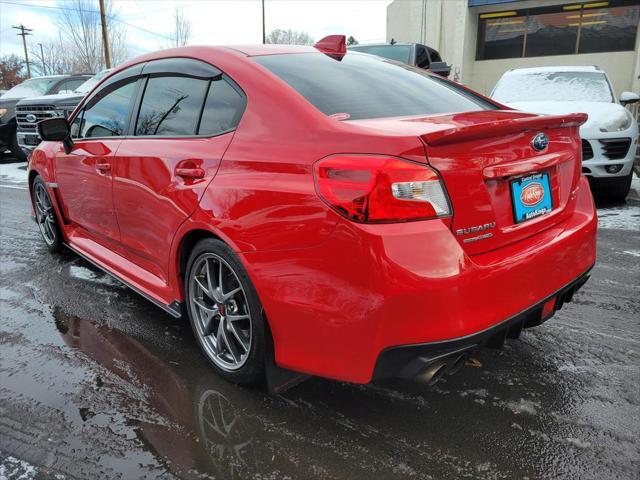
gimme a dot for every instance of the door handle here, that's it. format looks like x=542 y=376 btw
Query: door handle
x=103 y=167
x=190 y=172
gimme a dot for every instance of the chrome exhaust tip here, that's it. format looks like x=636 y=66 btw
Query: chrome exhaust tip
x=432 y=373
x=456 y=365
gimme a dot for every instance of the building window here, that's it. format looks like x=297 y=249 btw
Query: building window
x=560 y=30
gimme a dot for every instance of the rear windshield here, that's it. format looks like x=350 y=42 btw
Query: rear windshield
x=363 y=86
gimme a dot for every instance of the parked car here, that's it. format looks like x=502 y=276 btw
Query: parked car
x=31 y=110
x=30 y=88
x=414 y=54
x=610 y=135
x=299 y=210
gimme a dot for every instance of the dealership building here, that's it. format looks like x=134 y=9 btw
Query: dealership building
x=482 y=39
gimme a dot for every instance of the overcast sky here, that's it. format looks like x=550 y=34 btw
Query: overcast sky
x=148 y=22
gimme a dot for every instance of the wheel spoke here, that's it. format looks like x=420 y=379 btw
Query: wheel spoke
x=202 y=286
x=208 y=325
x=228 y=296
x=211 y=291
x=230 y=346
x=235 y=318
x=236 y=334
x=220 y=286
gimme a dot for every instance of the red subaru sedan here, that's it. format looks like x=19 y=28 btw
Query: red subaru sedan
x=314 y=211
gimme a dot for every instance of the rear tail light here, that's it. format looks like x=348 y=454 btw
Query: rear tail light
x=377 y=189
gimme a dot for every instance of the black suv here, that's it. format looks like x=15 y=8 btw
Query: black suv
x=414 y=54
x=34 y=87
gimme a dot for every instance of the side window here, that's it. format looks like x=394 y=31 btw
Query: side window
x=171 y=106
x=108 y=116
x=435 y=56
x=76 y=125
x=422 y=59
x=222 y=110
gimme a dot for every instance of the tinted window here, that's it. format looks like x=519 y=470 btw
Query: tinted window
x=551 y=34
x=171 y=106
x=108 y=116
x=75 y=126
x=500 y=37
x=609 y=29
x=367 y=87
x=435 y=56
x=402 y=53
x=559 y=30
x=70 y=85
x=422 y=58
x=222 y=109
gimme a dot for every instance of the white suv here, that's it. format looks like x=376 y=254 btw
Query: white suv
x=610 y=136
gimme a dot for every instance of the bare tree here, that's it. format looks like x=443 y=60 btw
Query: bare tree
x=54 y=59
x=182 y=33
x=79 y=23
x=290 y=37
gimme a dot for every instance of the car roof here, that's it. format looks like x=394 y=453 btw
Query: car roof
x=271 y=49
x=570 y=68
x=397 y=44
x=48 y=76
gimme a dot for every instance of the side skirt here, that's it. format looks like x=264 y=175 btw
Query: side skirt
x=174 y=308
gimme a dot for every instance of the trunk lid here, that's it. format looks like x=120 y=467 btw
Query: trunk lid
x=479 y=154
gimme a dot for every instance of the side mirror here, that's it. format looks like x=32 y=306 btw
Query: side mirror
x=56 y=130
x=629 y=97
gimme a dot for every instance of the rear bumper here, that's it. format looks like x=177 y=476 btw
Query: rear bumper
x=367 y=289
x=409 y=361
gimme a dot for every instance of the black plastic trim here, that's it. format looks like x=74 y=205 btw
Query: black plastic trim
x=173 y=309
x=392 y=360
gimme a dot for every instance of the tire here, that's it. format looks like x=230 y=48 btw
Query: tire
x=45 y=215
x=617 y=189
x=16 y=151
x=235 y=348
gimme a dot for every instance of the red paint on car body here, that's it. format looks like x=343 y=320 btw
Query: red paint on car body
x=336 y=290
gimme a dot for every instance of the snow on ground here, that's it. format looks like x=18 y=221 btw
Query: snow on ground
x=626 y=217
x=12 y=468
x=623 y=217
x=14 y=174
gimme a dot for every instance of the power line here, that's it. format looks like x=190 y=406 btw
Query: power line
x=24 y=31
x=110 y=17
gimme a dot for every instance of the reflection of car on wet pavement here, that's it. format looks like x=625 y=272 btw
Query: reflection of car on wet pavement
x=323 y=241
x=224 y=445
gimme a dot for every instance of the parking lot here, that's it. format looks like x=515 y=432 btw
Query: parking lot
x=98 y=383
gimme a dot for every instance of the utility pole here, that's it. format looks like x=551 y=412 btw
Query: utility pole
x=105 y=36
x=24 y=31
x=264 y=33
x=44 y=65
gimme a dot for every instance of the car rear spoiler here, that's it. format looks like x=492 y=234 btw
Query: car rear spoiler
x=499 y=128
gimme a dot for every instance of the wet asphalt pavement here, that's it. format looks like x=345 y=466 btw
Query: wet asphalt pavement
x=95 y=382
